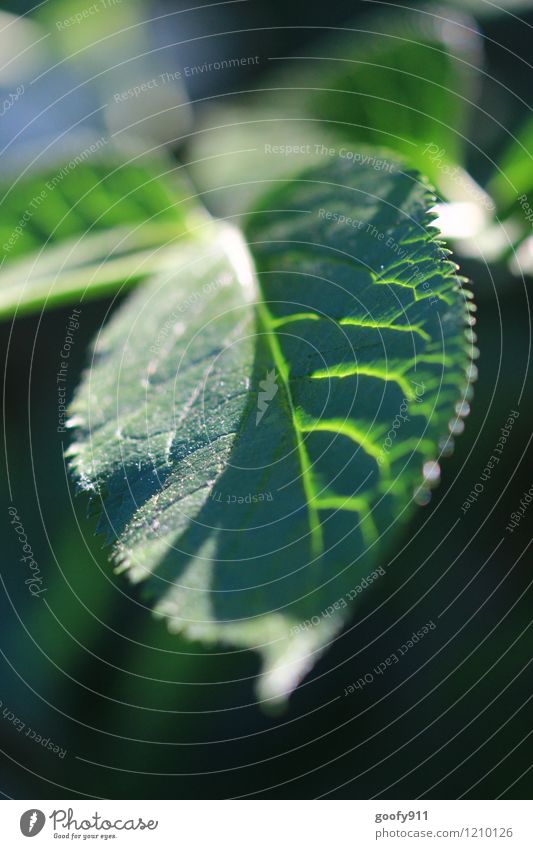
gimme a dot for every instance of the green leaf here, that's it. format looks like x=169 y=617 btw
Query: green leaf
x=514 y=177
x=87 y=225
x=400 y=82
x=256 y=464
x=506 y=238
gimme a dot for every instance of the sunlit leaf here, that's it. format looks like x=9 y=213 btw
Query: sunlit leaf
x=255 y=464
x=514 y=176
x=86 y=226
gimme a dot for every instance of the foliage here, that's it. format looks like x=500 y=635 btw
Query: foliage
x=243 y=527
x=259 y=418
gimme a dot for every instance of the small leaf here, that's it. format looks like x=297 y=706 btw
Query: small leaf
x=514 y=176
x=87 y=225
x=255 y=473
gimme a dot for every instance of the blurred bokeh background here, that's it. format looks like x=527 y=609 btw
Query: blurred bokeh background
x=140 y=713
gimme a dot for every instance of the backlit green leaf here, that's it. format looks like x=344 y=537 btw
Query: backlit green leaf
x=514 y=176
x=87 y=225
x=255 y=464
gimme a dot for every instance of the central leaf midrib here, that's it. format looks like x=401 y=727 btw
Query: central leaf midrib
x=315 y=527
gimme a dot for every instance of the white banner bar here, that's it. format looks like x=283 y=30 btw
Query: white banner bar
x=262 y=824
